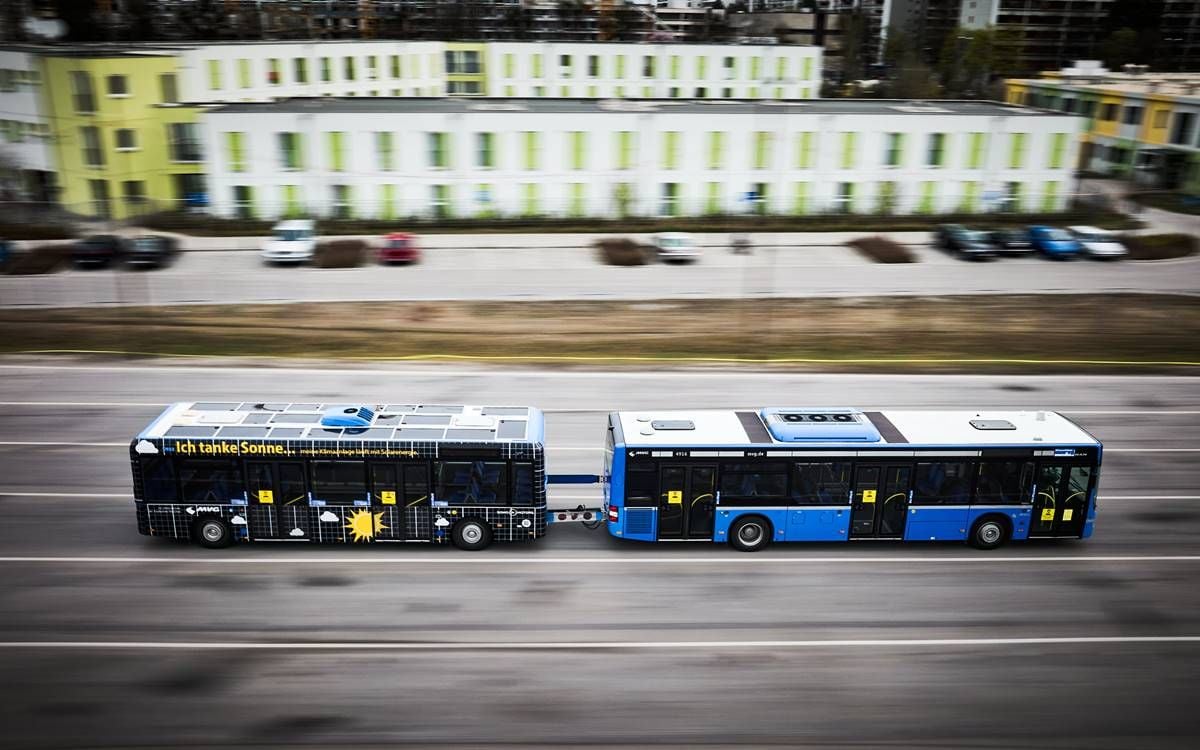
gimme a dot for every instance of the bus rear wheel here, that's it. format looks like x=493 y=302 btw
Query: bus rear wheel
x=213 y=533
x=471 y=534
x=989 y=533
x=750 y=534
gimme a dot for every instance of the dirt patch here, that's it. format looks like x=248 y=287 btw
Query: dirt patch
x=883 y=250
x=1160 y=246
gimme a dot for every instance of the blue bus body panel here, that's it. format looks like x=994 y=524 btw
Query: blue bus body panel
x=726 y=516
x=930 y=523
x=818 y=524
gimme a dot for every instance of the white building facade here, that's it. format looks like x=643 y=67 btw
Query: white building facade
x=25 y=136
x=543 y=157
x=279 y=70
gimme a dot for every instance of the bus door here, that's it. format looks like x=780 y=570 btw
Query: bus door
x=687 y=501
x=418 y=505
x=387 y=498
x=880 y=504
x=278 y=499
x=1060 y=499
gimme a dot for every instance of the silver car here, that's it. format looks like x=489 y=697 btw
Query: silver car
x=672 y=246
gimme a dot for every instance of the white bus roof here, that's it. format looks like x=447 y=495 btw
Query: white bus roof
x=258 y=420
x=816 y=426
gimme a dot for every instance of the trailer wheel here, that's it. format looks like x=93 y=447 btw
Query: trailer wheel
x=471 y=534
x=213 y=533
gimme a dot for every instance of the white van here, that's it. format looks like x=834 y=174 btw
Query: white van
x=292 y=241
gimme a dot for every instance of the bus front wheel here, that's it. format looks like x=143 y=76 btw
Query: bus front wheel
x=213 y=533
x=989 y=533
x=471 y=534
x=750 y=534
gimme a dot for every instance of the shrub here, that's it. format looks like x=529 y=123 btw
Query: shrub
x=883 y=250
x=17 y=231
x=1160 y=246
x=340 y=254
x=622 y=251
x=39 y=259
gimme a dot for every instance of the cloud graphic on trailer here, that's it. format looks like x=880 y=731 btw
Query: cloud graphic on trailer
x=296 y=532
x=329 y=517
x=145 y=446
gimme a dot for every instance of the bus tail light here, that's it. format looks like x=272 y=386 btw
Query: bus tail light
x=614 y=513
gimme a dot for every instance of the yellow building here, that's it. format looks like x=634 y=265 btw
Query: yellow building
x=124 y=145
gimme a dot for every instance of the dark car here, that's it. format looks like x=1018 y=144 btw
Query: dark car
x=1011 y=240
x=965 y=243
x=152 y=251
x=99 y=250
x=6 y=251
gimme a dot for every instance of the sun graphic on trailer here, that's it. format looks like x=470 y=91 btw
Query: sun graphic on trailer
x=364 y=525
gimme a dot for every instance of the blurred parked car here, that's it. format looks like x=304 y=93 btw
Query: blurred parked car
x=294 y=241
x=676 y=246
x=152 y=251
x=1011 y=240
x=399 y=247
x=965 y=243
x=1099 y=244
x=99 y=250
x=1054 y=243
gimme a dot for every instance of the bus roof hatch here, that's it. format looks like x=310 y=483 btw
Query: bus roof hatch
x=348 y=416
x=826 y=425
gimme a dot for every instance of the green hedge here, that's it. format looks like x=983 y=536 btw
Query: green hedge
x=340 y=254
x=39 y=259
x=622 y=251
x=883 y=250
x=1160 y=246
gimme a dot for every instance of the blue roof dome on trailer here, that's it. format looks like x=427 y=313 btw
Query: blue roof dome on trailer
x=823 y=425
x=348 y=416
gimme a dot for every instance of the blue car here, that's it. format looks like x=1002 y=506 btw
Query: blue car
x=1054 y=243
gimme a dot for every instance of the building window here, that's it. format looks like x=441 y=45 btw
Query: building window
x=532 y=149
x=385 y=150
x=243 y=201
x=1182 y=128
x=438 y=158
x=726 y=93
x=183 y=142
x=593 y=66
x=625 y=149
x=372 y=67
x=326 y=70
x=670 y=149
x=464 y=87
x=235 y=151
x=244 y=73
x=844 y=203
x=100 y=202
x=348 y=68
x=892 y=151
x=1058 y=147
x=168 y=87
x=214 y=75
x=849 y=141
x=440 y=201
x=300 y=70
x=394 y=66
x=126 y=139
x=485 y=151
x=647 y=66
x=274 y=78
x=887 y=197
x=1016 y=153
x=1133 y=116
x=564 y=66
x=462 y=62
x=510 y=64
x=928 y=201
x=343 y=205
x=804 y=150
x=730 y=68
x=577 y=149
x=716 y=150
x=93 y=152
x=762 y=149
x=289 y=151
x=118 y=85
x=1108 y=111
x=576 y=202
x=670 y=199
x=81 y=90
x=133 y=192
x=936 y=155
x=976 y=150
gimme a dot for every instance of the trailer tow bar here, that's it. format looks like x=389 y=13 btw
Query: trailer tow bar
x=591 y=518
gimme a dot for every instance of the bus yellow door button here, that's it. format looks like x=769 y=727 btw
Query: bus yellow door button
x=266 y=497
x=1047 y=514
x=868 y=496
x=1068 y=513
x=387 y=497
x=675 y=497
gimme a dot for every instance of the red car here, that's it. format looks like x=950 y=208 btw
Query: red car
x=399 y=247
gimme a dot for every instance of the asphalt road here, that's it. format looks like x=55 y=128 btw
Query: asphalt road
x=110 y=639
x=776 y=269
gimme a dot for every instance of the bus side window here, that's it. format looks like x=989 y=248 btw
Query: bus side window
x=416 y=484
x=260 y=482
x=942 y=483
x=821 y=483
x=522 y=484
x=158 y=480
x=641 y=485
x=384 y=484
x=754 y=481
x=291 y=484
x=1004 y=483
x=213 y=481
x=339 y=481
x=473 y=482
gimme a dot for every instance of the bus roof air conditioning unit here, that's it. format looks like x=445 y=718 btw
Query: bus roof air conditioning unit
x=348 y=416
x=837 y=425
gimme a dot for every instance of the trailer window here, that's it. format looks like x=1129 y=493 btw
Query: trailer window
x=212 y=481
x=158 y=480
x=473 y=482
x=339 y=481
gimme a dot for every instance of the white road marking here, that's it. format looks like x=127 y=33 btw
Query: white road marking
x=453 y=558
x=593 y=645
x=554 y=496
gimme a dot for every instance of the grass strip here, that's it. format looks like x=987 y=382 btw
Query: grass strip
x=1018 y=333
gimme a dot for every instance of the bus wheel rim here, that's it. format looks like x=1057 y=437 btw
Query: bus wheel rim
x=989 y=532
x=750 y=533
x=212 y=531
x=471 y=533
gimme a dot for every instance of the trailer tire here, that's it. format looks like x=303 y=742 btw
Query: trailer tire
x=471 y=534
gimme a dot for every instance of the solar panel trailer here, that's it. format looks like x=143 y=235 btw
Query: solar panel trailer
x=220 y=472
x=842 y=474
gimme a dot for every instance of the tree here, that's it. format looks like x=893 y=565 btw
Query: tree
x=1121 y=48
x=854 y=46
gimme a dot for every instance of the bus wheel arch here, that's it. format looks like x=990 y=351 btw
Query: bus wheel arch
x=990 y=531
x=750 y=533
x=471 y=534
x=212 y=532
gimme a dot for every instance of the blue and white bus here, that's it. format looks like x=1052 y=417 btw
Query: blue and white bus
x=839 y=474
x=219 y=472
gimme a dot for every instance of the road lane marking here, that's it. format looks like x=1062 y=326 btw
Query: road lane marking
x=595 y=645
x=453 y=558
x=555 y=496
